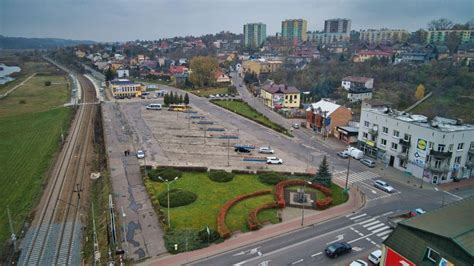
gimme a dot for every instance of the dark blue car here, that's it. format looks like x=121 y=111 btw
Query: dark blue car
x=337 y=249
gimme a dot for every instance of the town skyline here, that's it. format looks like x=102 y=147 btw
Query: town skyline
x=154 y=20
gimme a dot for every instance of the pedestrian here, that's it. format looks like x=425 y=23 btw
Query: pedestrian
x=125 y=153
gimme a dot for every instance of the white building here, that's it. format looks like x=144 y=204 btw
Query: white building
x=123 y=73
x=438 y=150
x=359 y=94
x=356 y=82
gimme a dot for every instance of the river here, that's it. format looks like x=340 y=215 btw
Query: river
x=6 y=71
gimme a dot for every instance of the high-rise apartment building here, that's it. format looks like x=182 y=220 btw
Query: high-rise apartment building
x=254 y=34
x=337 y=25
x=384 y=36
x=294 y=29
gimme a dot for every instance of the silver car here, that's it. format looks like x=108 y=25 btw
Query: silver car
x=368 y=162
x=383 y=186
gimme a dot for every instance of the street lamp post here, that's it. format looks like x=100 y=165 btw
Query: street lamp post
x=347 y=174
x=302 y=210
x=168 y=183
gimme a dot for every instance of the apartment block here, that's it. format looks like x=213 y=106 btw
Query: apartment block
x=384 y=36
x=294 y=29
x=337 y=25
x=440 y=36
x=255 y=34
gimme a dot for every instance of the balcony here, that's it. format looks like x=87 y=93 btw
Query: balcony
x=441 y=154
x=471 y=150
x=402 y=156
x=404 y=142
x=373 y=131
x=440 y=169
x=470 y=164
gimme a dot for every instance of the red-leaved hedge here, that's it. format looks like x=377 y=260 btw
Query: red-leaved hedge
x=222 y=229
x=321 y=204
x=252 y=221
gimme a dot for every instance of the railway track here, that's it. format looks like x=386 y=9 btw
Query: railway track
x=54 y=237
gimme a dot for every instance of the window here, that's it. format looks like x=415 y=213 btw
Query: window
x=394 y=146
x=450 y=147
x=460 y=146
x=396 y=133
x=430 y=145
x=366 y=124
x=407 y=137
x=432 y=255
x=365 y=135
x=441 y=147
x=457 y=159
x=383 y=142
x=437 y=164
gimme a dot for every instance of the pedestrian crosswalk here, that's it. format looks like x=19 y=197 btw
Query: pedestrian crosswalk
x=371 y=224
x=354 y=177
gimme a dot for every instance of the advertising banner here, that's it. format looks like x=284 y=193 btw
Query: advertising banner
x=278 y=100
x=421 y=152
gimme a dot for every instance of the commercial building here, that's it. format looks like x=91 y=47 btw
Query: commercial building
x=260 y=67
x=255 y=34
x=325 y=116
x=436 y=151
x=125 y=88
x=439 y=237
x=383 y=36
x=440 y=36
x=337 y=25
x=279 y=96
x=294 y=29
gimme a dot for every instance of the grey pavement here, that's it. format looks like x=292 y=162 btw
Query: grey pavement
x=144 y=234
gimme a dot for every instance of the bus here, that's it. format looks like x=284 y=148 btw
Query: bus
x=178 y=107
x=153 y=106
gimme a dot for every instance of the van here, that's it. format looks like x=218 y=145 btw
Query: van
x=355 y=153
x=375 y=256
x=153 y=106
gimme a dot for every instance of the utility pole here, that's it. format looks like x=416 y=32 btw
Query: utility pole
x=228 y=151
x=124 y=231
x=347 y=174
x=13 y=236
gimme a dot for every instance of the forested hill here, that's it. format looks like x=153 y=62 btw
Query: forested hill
x=37 y=43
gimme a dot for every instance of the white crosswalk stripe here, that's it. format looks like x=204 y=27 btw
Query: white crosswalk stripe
x=366 y=221
x=384 y=233
x=385 y=237
x=358 y=216
x=375 y=226
x=380 y=229
x=355 y=177
x=370 y=224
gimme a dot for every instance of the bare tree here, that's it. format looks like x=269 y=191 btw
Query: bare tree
x=440 y=24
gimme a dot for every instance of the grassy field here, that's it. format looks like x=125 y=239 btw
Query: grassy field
x=245 y=110
x=211 y=196
x=30 y=130
x=452 y=106
x=208 y=91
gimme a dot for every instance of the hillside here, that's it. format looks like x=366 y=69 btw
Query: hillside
x=37 y=43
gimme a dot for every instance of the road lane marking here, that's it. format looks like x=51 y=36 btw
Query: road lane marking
x=370 y=224
x=338 y=238
x=366 y=221
x=349 y=215
x=387 y=213
x=317 y=254
x=375 y=226
x=384 y=233
x=385 y=237
x=358 y=216
x=296 y=262
x=454 y=195
x=380 y=229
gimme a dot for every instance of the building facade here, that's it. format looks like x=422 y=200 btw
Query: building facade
x=294 y=29
x=383 y=36
x=277 y=96
x=437 y=151
x=260 y=67
x=325 y=116
x=327 y=37
x=125 y=88
x=440 y=36
x=337 y=25
x=255 y=34
x=356 y=82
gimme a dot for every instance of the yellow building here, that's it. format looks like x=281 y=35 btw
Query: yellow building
x=260 y=67
x=125 y=88
x=279 y=96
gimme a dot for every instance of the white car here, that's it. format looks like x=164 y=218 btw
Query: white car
x=266 y=149
x=211 y=96
x=140 y=154
x=383 y=186
x=274 y=160
x=358 y=263
x=375 y=256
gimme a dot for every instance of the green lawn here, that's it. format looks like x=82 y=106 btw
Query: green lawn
x=29 y=137
x=208 y=91
x=211 y=196
x=245 y=110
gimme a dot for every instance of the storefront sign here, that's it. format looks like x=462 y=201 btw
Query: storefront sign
x=393 y=258
x=370 y=143
x=420 y=152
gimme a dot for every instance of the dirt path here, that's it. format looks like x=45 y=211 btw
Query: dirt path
x=16 y=87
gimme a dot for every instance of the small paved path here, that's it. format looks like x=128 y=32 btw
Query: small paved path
x=17 y=86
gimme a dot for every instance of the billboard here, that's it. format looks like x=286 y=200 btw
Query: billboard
x=420 y=152
x=278 y=100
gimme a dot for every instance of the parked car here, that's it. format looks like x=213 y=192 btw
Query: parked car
x=355 y=153
x=375 y=256
x=383 y=186
x=420 y=211
x=211 y=96
x=241 y=150
x=153 y=106
x=337 y=249
x=266 y=149
x=140 y=154
x=343 y=154
x=358 y=263
x=274 y=160
x=296 y=125
x=368 y=162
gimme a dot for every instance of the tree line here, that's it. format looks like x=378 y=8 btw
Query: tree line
x=175 y=98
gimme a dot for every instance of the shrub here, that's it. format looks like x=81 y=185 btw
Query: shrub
x=252 y=220
x=22 y=102
x=271 y=178
x=220 y=176
x=222 y=229
x=167 y=173
x=178 y=197
x=212 y=236
x=324 y=203
x=47 y=83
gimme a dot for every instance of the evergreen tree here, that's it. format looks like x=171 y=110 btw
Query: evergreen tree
x=186 y=99
x=172 y=99
x=180 y=100
x=323 y=176
x=166 y=99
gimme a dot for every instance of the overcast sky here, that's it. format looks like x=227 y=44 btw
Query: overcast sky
x=121 y=20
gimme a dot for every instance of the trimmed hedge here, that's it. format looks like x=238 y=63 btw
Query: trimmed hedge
x=252 y=220
x=222 y=229
x=271 y=178
x=178 y=197
x=167 y=173
x=320 y=203
x=244 y=172
x=220 y=176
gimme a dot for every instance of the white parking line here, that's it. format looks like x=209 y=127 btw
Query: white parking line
x=380 y=229
x=370 y=224
x=358 y=216
x=375 y=226
x=366 y=221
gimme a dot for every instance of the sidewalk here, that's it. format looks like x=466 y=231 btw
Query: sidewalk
x=455 y=185
x=355 y=202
